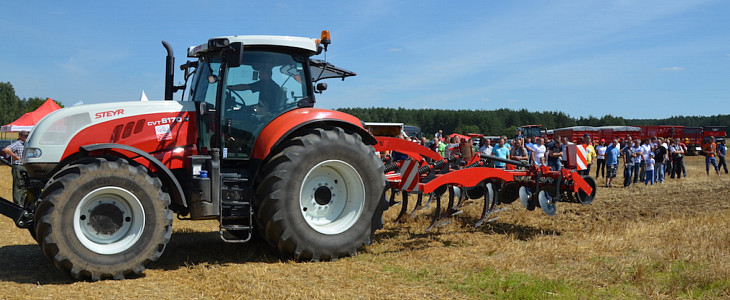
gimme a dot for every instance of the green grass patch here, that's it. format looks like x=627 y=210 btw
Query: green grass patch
x=488 y=284
x=691 y=280
x=491 y=284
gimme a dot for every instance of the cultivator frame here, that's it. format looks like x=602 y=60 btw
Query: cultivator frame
x=465 y=174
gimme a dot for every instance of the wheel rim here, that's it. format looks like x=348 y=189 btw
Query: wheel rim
x=332 y=197
x=109 y=220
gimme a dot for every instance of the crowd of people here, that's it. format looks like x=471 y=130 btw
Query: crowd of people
x=646 y=161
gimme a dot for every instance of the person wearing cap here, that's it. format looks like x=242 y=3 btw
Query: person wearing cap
x=15 y=151
x=601 y=158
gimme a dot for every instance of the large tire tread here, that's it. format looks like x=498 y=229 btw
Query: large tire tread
x=58 y=243
x=274 y=190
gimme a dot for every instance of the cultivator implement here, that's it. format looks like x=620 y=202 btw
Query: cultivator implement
x=468 y=175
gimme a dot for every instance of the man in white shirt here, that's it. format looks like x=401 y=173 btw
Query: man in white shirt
x=601 y=158
x=538 y=152
x=486 y=147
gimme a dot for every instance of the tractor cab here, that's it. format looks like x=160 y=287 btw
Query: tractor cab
x=242 y=83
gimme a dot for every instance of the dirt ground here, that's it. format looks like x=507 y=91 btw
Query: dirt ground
x=664 y=241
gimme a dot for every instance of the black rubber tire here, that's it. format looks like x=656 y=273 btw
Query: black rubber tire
x=584 y=198
x=65 y=192
x=279 y=214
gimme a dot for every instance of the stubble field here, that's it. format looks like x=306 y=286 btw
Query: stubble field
x=662 y=241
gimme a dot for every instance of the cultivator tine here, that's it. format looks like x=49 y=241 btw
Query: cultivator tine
x=489 y=203
x=428 y=202
x=436 y=214
x=450 y=210
x=403 y=209
x=462 y=197
x=418 y=203
x=392 y=197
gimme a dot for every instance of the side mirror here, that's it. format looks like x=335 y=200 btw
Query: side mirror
x=234 y=55
x=321 y=87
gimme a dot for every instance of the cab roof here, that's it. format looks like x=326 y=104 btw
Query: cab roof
x=308 y=44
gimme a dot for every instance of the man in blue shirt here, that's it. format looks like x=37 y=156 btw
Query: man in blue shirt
x=612 y=153
x=500 y=151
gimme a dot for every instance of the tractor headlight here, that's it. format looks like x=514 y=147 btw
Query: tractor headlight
x=32 y=153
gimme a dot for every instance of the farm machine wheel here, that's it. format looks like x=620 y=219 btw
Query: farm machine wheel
x=586 y=198
x=103 y=219
x=322 y=196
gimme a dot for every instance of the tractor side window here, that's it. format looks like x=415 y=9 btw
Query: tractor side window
x=202 y=89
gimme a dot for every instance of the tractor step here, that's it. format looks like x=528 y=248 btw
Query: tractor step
x=236 y=219
x=236 y=227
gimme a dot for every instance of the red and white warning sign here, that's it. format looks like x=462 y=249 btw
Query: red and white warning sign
x=409 y=175
x=581 y=157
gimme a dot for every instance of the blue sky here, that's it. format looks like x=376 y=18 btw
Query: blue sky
x=636 y=59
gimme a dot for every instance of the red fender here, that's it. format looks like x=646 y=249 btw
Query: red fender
x=280 y=127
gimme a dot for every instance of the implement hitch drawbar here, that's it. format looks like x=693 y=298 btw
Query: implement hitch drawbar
x=12 y=210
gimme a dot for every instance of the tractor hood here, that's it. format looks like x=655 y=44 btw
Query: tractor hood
x=50 y=138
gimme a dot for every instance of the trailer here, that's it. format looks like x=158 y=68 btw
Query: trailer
x=575 y=133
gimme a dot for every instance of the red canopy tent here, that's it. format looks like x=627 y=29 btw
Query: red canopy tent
x=28 y=120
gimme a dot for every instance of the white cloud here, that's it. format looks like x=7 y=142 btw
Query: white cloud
x=673 y=69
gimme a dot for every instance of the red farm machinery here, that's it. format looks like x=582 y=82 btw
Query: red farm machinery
x=247 y=148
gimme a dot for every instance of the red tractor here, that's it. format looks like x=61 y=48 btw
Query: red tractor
x=246 y=148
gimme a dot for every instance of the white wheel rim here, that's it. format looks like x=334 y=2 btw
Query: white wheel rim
x=332 y=197
x=109 y=220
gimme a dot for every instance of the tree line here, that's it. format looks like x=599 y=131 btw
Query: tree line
x=13 y=107
x=504 y=121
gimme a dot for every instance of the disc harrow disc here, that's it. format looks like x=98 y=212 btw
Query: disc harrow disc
x=546 y=201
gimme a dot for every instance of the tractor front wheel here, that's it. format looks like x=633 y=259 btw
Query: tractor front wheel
x=103 y=219
x=321 y=196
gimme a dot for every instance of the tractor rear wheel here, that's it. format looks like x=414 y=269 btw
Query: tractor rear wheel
x=322 y=196
x=103 y=219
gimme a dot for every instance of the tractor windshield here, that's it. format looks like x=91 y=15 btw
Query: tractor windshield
x=266 y=85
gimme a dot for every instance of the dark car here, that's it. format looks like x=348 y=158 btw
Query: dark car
x=413 y=131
